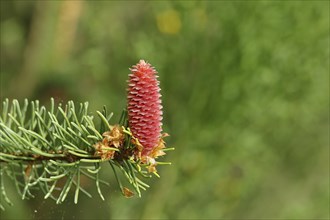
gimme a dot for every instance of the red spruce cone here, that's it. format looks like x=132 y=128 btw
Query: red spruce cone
x=144 y=106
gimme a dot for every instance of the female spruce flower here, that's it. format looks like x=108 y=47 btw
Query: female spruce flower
x=144 y=106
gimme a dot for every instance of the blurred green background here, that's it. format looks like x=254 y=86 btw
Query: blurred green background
x=245 y=88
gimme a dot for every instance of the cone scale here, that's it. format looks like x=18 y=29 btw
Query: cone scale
x=144 y=106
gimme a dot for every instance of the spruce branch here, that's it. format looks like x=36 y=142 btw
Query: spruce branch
x=50 y=150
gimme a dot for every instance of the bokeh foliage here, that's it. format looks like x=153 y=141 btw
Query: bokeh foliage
x=245 y=89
